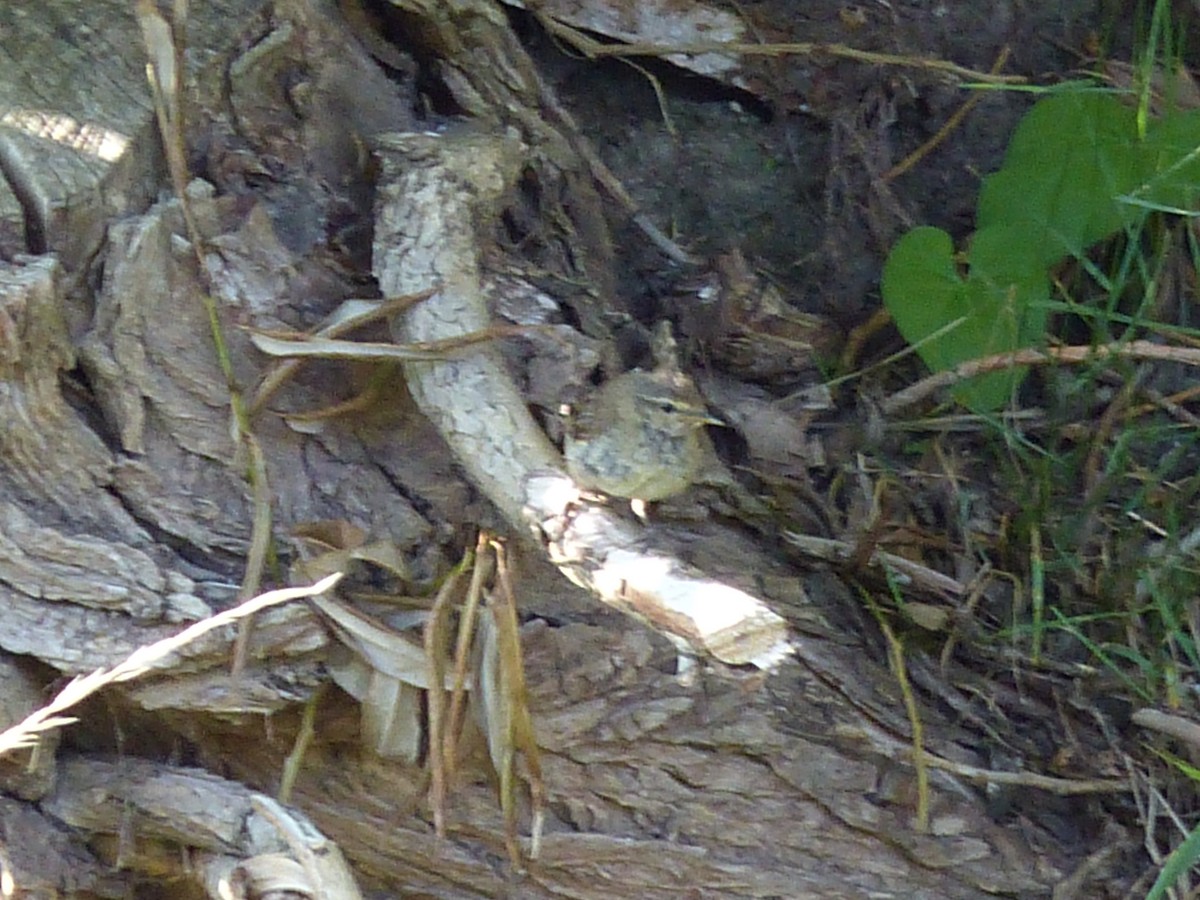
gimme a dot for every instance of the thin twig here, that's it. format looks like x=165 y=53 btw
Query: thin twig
x=920 y=758
x=1133 y=350
x=1175 y=726
x=595 y=50
x=942 y=133
x=1063 y=787
x=842 y=551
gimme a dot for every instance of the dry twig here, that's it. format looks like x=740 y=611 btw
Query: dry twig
x=1132 y=350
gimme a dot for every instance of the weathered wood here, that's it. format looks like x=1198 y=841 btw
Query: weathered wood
x=124 y=513
x=234 y=831
x=77 y=139
x=43 y=860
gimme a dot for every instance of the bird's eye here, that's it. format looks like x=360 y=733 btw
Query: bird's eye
x=667 y=406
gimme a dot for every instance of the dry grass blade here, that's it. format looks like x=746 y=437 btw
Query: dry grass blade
x=518 y=724
x=462 y=650
x=260 y=540
x=163 y=71
x=435 y=654
x=348 y=316
x=304 y=739
x=501 y=701
x=302 y=347
x=164 y=44
x=24 y=733
x=900 y=673
x=910 y=161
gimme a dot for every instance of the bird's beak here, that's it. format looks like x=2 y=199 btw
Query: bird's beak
x=702 y=418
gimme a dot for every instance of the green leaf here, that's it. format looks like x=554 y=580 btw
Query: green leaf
x=1006 y=269
x=1173 y=163
x=1070 y=157
x=999 y=307
x=921 y=290
x=1182 y=858
x=1075 y=172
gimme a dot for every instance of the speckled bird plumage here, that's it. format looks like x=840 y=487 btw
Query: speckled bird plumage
x=639 y=436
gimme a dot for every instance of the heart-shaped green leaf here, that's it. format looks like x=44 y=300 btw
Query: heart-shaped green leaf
x=1072 y=154
x=999 y=307
x=1076 y=171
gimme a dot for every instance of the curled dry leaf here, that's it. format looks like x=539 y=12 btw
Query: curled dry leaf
x=374 y=661
x=271 y=874
x=743 y=323
x=776 y=433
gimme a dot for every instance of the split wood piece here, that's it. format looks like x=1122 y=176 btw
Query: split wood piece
x=243 y=843
x=436 y=194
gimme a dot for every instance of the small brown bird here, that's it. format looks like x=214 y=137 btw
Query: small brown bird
x=639 y=436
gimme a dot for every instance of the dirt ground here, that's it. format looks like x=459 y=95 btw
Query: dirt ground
x=795 y=174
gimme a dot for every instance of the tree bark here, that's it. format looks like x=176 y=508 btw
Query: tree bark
x=123 y=510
